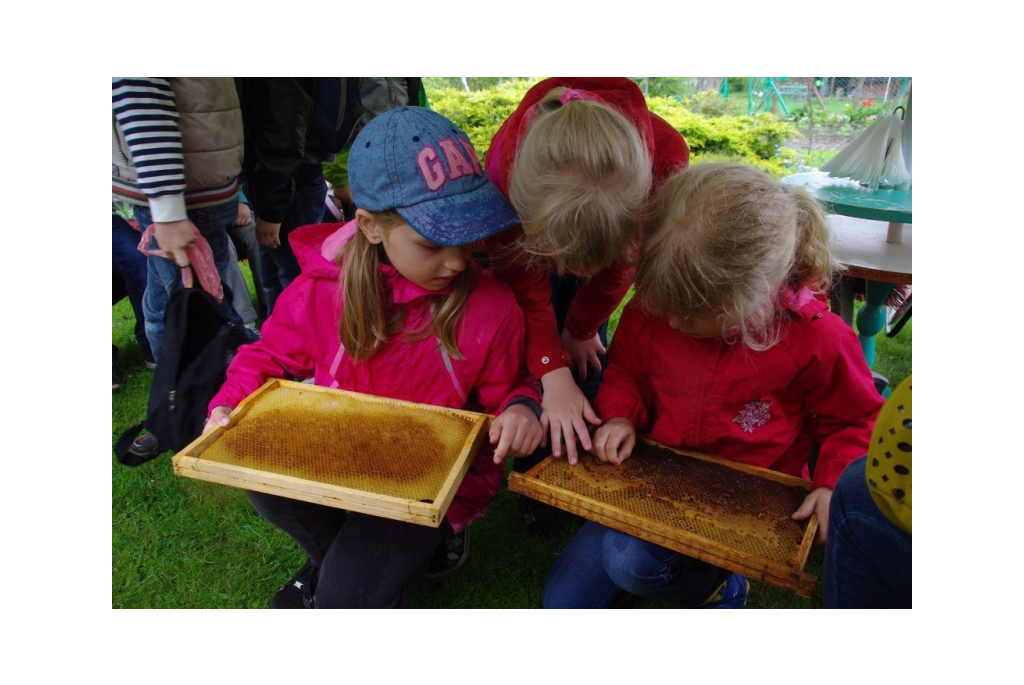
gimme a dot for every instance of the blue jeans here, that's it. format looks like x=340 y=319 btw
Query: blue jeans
x=601 y=567
x=867 y=558
x=247 y=248
x=164 y=276
x=129 y=277
x=307 y=207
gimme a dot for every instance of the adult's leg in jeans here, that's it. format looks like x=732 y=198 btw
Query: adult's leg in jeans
x=376 y=562
x=246 y=245
x=271 y=281
x=307 y=207
x=165 y=277
x=867 y=558
x=240 y=299
x=162 y=277
x=130 y=275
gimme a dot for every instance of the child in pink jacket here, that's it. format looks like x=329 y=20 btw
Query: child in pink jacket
x=391 y=304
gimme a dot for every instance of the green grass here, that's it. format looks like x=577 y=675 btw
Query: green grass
x=183 y=543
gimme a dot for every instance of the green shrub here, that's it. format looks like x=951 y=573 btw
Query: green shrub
x=479 y=113
x=759 y=139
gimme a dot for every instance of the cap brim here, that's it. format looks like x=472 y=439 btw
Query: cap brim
x=462 y=219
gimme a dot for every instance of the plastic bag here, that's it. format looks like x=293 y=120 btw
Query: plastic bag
x=200 y=257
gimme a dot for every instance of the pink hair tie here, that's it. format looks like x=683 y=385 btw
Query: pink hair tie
x=534 y=111
x=573 y=94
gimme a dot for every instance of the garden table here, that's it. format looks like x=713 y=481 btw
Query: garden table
x=872 y=231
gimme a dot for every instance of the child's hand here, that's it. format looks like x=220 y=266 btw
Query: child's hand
x=516 y=431
x=244 y=215
x=268 y=234
x=583 y=352
x=220 y=416
x=614 y=441
x=816 y=503
x=566 y=413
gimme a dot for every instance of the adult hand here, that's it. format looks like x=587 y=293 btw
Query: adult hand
x=614 y=441
x=175 y=238
x=267 y=234
x=566 y=413
x=816 y=503
x=516 y=432
x=220 y=416
x=583 y=353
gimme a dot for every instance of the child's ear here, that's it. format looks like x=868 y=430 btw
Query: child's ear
x=368 y=225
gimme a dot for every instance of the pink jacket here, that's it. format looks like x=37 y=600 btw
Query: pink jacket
x=300 y=339
x=772 y=409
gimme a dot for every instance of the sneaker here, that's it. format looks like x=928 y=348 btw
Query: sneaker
x=297 y=593
x=117 y=381
x=450 y=556
x=150 y=364
x=146 y=446
x=731 y=594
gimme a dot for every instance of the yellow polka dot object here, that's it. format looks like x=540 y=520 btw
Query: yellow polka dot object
x=888 y=466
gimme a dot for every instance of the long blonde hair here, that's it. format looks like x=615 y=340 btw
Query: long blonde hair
x=369 y=319
x=579 y=183
x=722 y=240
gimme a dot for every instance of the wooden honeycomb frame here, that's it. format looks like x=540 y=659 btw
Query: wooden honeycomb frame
x=341 y=449
x=728 y=514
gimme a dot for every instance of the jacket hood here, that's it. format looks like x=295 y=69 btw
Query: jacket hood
x=317 y=246
x=620 y=93
x=804 y=302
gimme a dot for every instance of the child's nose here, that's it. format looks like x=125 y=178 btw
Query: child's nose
x=457 y=258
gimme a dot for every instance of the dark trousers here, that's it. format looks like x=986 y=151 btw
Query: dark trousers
x=279 y=267
x=129 y=276
x=366 y=562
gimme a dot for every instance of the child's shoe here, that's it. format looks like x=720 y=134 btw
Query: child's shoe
x=731 y=594
x=297 y=593
x=146 y=446
x=450 y=556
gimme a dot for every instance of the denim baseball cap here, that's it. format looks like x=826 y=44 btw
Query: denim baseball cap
x=419 y=163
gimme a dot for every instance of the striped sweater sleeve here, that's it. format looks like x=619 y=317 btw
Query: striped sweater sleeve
x=146 y=112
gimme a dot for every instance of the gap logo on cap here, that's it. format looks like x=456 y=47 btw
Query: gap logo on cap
x=460 y=157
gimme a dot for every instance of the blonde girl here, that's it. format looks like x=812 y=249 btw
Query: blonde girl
x=578 y=159
x=728 y=348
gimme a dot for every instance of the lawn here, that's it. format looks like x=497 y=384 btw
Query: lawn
x=182 y=543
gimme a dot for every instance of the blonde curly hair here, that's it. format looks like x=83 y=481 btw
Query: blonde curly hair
x=722 y=240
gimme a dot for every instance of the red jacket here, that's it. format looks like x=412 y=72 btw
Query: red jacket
x=599 y=296
x=300 y=339
x=772 y=409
